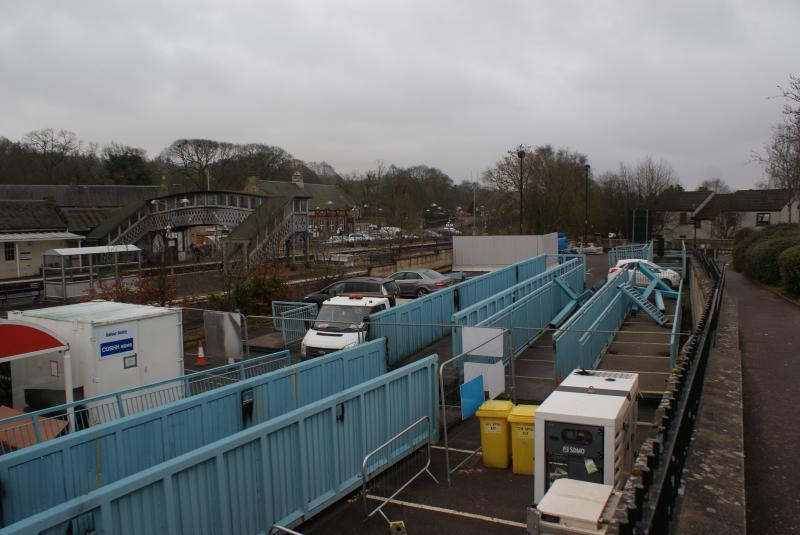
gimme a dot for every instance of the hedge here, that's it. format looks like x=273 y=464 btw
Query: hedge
x=789 y=263
x=763 y=258
x=742 y=248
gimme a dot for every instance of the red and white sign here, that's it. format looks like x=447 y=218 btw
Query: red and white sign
x=19 y=340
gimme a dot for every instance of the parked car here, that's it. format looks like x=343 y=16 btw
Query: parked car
x=335 y=240
x=358 y=238
x=588 y=248
x=419 y=282
x=670 y=276
x=367 y=286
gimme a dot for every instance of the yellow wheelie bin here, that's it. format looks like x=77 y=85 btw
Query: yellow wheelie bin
x=493 y=415
x=521 y=420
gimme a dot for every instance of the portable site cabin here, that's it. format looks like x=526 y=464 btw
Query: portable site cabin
x=113 y=346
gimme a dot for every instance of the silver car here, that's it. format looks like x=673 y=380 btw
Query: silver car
x=419 y=282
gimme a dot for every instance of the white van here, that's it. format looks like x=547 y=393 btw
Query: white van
x=342 y=322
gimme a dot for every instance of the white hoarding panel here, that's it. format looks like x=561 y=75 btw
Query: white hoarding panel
x=483 y=341
x=487 y=253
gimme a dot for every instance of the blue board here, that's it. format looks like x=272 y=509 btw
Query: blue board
x=471 y=396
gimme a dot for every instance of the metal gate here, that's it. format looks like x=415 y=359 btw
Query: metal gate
x=293 y=319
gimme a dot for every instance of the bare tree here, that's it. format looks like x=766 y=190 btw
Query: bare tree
x=195 y=157
x=648 y=179
x=717 y=185
x=53 y=147
x=781 y=158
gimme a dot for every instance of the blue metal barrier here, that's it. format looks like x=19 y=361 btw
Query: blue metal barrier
x=430 y=316
x=642 y=251
x=675 y=337
x=295 y=319
x=58 y=470
x=26 y=429
x=507 y=308
x=283 y=471
x=582 y=340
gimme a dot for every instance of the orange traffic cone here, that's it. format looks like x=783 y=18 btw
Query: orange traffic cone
x=201 y=356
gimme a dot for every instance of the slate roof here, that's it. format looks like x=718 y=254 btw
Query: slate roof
x=85 y=219
x=747 y=200
x=320 y=194
x=681 y=201
x=93 y=196
x=30 y=216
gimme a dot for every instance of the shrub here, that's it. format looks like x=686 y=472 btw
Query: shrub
x=742 y=247
x=789 y=264
x=742 y=233
x=763 y=258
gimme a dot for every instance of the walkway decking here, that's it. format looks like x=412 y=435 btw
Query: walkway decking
x=641 y=347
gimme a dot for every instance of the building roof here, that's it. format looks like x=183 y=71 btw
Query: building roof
x=29 y=215
x=85 y=219
x=100 y=249
x=747 y=200
x=92 y=196
x=99 y=312
x=322 y=196
x=38 y=236
x=681 y=201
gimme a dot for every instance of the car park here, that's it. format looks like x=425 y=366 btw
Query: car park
x=420 y=282
x=670 y=276
x=358 y=238
x=367 y=286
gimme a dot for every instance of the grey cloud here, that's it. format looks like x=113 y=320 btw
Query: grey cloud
x=449 y=84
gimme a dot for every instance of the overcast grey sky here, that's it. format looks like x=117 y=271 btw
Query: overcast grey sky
x=447 y=84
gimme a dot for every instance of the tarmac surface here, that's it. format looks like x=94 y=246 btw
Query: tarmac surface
x=770 y=345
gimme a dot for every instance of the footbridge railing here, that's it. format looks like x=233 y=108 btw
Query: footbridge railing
x=581 y=341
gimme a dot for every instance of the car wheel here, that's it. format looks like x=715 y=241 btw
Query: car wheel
x=422 y=292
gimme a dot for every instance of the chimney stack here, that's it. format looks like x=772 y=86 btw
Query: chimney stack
x=297 y=179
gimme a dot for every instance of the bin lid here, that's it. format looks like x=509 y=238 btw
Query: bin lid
x=495 y=408
x=523 y=414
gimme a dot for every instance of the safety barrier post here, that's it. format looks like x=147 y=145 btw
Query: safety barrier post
x=412 y=444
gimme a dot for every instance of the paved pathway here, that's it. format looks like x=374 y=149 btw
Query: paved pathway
x=770 y=345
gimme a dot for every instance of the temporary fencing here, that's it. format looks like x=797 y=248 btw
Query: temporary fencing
x=35 y=427
x=642 y=251
x=281 y=471
x=383 y=481
x=293 y=319
x=53 y=472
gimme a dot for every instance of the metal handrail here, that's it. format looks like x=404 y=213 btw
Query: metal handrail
x=365 y=474
x=282 y=529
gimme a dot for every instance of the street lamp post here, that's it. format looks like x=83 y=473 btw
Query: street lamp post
x=521 y=156
x=587 y=168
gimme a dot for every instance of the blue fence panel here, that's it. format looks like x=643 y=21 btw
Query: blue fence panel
x=281 y=471
x=52 y=472
x=25 y=430
x=295 y=319
x=430 y=316
x=624 y=252
x=573 y=273
x=675 y=337
x=582 y=340
x=413 y=325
